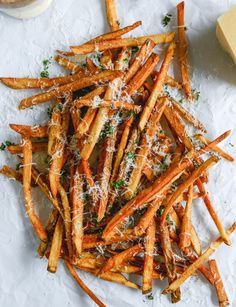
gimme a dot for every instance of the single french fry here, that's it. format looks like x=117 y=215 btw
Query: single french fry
x=68 y=64
x=122 y=42
x=212 y=211
x=54 y=129
x=90 y=182
x=67 y=220
x=123 y=59
x=27 y=166
x=68 y=88
x=176 y=124
x=55 y=249
x=187 y=116
x=36 y=147
x=220 y=289
x=159 y=186
x=30 y=131
x=191 y=179
x=77 y=213
x=82 y=284
x=149 y=244
x=112 y=17
x=216 y=149
x=119 y=259
x=157 y=87
x=168 y=80
x=106 y=60
x=195 y=265
x=139 y=78
x=11 y=173
x=143 y=54
x=183 y=52
x=145 y=147
x=92 y=68
x=40 y=83
x=113 y=104
x=185 y=233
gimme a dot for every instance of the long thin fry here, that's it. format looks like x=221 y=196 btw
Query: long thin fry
x=31 y=131
x=157 y=87
x=112 y=17
x=68 y=64
x=195 y=265
x=11 y=173
x=36 y=147
x=122 y=42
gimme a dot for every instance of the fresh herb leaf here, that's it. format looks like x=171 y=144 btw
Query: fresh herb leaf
x=169 y=220
x=160 y=211
x=2 y=147
x=44 y=74
x=166 y=20
x=230 y=144
x=118 y=184
x=8 y=143
x=130 y=155
x=126 y=60
x=134 y=49
x=46 y=63
x=150 y=297
x=107 y=130
x=49 y=112
x=18 y=166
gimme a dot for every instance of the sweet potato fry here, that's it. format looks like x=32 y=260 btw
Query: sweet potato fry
x=63 y=90
x=149 y=257
x=212 y=211
x=82 y=285
x=183 y=52
x=27 y=166
x=55 y=249
x=220 y=289
x=122 y=42
x=112 y=17
x=120 y=258
x=68 y=64
x=195 y=265
x=30 y=131
x=185 y=233
x=157 y=87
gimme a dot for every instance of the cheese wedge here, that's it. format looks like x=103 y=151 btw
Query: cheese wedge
x=226 y=32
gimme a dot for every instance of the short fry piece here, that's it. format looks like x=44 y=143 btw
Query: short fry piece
x=112 y=17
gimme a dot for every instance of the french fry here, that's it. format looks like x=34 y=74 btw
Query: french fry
x=112 y=17
x=192 y=178
x=157 y=87
x=40 y=83
x=145 y=147
x=30 y=131
x=112 y=104
x=92 y=68
x=212 y=211
x=106 y=60
x=195 y=265
x=123 y=59
x=68 y=88
x=122 y=42
x=27 y=166
x=67 y=220
x=82 y=284
x=36 y=147
x=185 y=233
x=149 y=257
x=90 y=182
x=187 y=116
x=168 y=80
x=55 y=249
x=77 y=213
x=68 y=64
x=220 y=289
x=183 y=52
x=54 y=129
x=11 y=173
x=119 y=259
x=216 y=149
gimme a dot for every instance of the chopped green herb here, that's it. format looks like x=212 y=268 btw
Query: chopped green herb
x=103 y=67
x=18 y=165
x=49 y=112
x=182 y=100
x=169 y=220
x=84 y=65
x=107 y=130
x=2 y=147
x=130 y=155
x=166 y=20
x=150 y=297
x=230 y=144
x=134 y=49
x=118 y=184
x=160 y=210
x=185 y=28
x=196 y=164
x=8 y=143
x=44 y=73
x=126 y=60
x=195 y=94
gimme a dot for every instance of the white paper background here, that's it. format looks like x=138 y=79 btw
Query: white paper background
x=24 y=280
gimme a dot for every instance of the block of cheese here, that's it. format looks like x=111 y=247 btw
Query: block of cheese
x=226 y=32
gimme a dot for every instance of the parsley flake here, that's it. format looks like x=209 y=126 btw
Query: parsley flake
x=118 y=184
x=166 y=20
x=150 y=297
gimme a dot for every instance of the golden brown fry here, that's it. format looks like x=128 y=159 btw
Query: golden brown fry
x=55 y=249
x=92 y=68
x=54 y=130
x=36 y=147
x=64 y=90
x=68 y=64
x=113 y=104
x=185 y=233
x=220 y=289
x=27 y=166
x=90 y=182
x=157 y=87
x=183 y=52
x=31 y=131
x=195 y=265
x=77 y=213
x=212 y=211
x=149 y=257
x=168 y=80
x=123 y=59
x=82 y=285
x=216 y=149
x=112 y=17
x=11 y=173
x=122 y=42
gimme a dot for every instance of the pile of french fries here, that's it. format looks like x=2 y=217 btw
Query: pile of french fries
x=123 y=171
